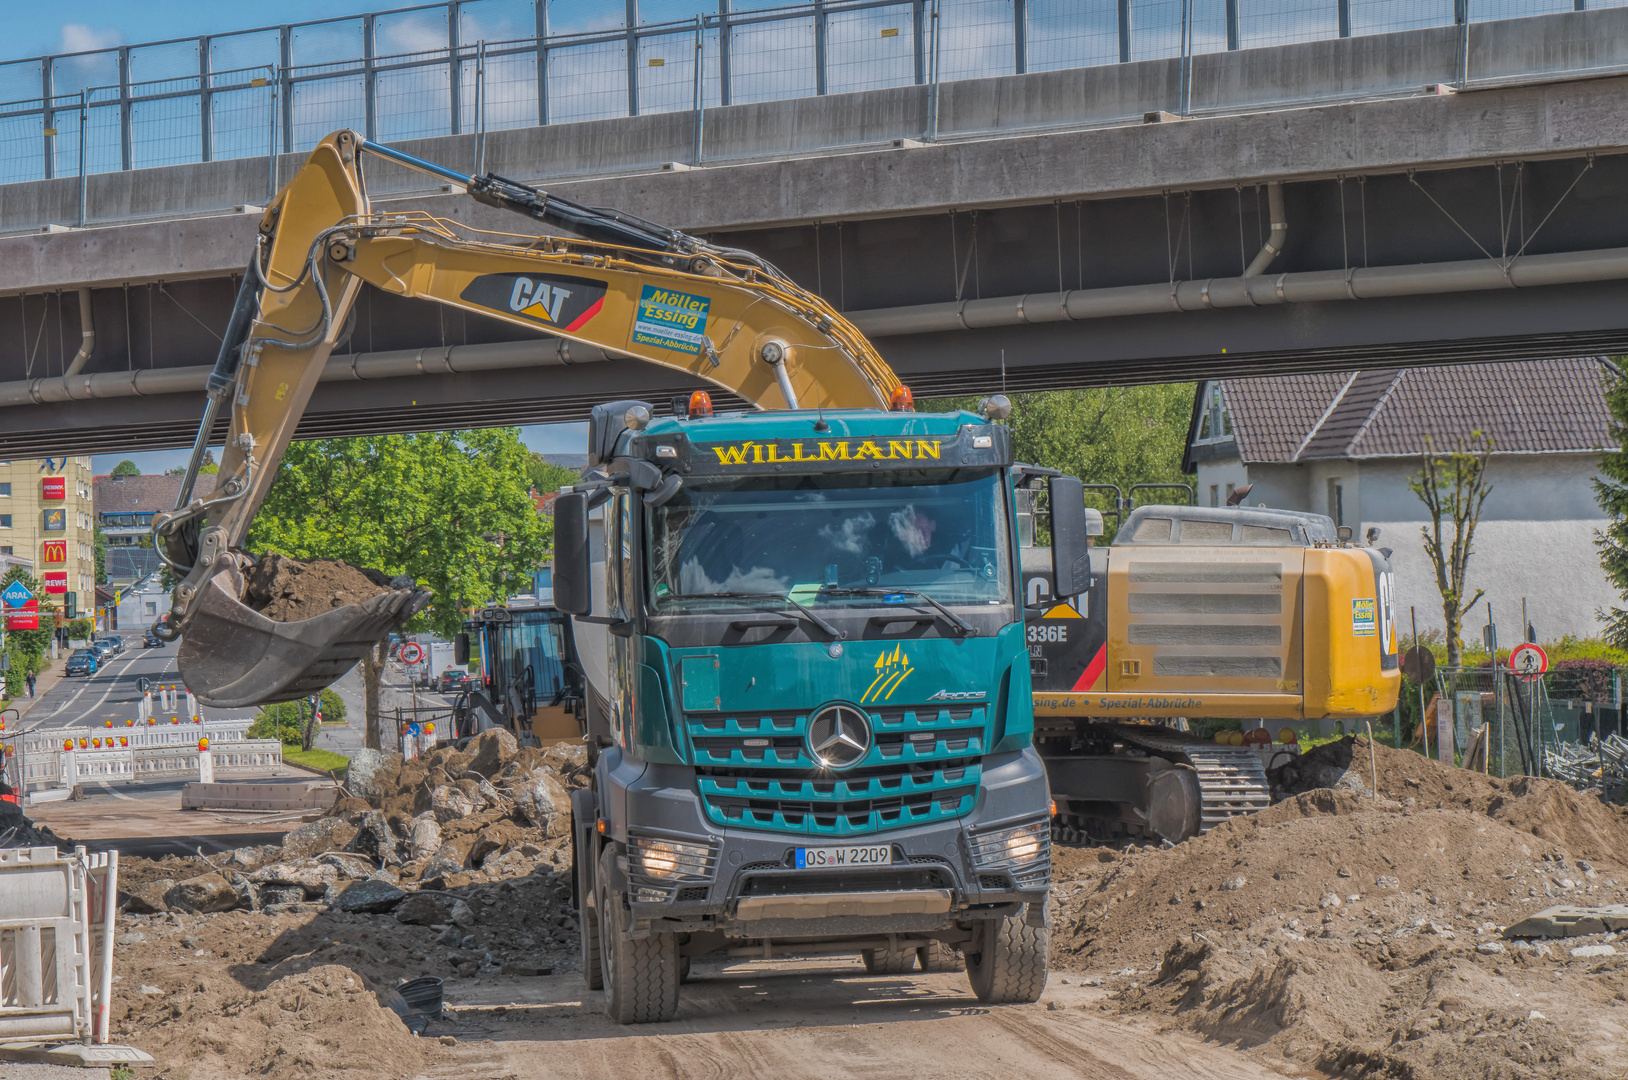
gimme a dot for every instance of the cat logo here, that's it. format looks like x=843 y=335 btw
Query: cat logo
x=551 y=300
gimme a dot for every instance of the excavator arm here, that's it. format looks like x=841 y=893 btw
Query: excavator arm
x=621 y=284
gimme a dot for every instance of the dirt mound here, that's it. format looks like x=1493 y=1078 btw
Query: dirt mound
x=1362 y=935
x=1548 y=809
x=322 y=1022
x=287 y=590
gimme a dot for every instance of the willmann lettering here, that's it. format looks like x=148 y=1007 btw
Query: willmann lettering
x=775 y=453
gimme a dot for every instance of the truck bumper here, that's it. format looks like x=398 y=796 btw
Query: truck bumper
x=939 y=874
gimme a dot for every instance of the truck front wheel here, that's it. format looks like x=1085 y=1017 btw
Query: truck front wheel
x=640 y=975
x=1009 y=965
x=587 y=914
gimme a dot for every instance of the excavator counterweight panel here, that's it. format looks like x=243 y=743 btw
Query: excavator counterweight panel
x=233 y=656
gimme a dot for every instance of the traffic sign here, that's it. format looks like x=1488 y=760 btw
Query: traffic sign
x=1528 y=662
x=411 y=653
x=1419 y=664
x=16 y=595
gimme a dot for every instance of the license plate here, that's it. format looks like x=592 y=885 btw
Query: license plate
x=828 y=858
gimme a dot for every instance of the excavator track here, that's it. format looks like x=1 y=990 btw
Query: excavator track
x=1231 y=780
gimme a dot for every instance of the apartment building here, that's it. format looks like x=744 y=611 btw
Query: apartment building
x=46 y=517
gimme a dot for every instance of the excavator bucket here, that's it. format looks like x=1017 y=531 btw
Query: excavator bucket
x=232 y=656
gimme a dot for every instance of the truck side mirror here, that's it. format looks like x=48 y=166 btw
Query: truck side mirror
x=460 y=650
x=1070 y=558
x=572 y=592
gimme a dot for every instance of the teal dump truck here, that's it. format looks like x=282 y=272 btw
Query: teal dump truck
x=808 y=695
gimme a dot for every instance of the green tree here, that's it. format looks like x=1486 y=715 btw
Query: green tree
x=1120 y=435
x=547 y=477
x=126 y=468
x=1452 y=489
x=448 y=509
x=99 y=549
x=1611 y=492
x=288 y=721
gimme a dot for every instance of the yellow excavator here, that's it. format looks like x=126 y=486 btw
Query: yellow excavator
x=612 y=285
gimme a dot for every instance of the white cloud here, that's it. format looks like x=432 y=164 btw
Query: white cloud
x=77 y=37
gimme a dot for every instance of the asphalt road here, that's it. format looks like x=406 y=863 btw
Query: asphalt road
x=111 y=694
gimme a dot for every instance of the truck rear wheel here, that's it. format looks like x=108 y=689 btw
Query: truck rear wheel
x=937 y=956
x=640 y=974
x=888 y=961
x=1010 y=964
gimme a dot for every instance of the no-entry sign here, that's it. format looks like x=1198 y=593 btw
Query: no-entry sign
x=411 y=653
x=1528 y=662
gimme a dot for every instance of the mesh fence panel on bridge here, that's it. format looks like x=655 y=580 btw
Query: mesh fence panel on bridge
x=417 y=73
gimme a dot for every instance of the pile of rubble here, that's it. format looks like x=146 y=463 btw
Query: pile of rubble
x=16 y=831
x=1359 y=926
x=1602 y=765
x=491 y=812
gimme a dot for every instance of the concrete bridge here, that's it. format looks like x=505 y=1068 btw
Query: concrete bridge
x=1057 y=229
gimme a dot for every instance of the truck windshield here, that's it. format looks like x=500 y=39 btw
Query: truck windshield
x=810 y=537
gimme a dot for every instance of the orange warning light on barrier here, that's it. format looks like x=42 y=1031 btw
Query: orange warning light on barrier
x=97 y=743
x=151 y=721
x=203 y=743
x=107 y=723
x=124 y=740
x=175 y=719
x=429 y=727
x=84 y=744
x=129 y=723
x=67 y=744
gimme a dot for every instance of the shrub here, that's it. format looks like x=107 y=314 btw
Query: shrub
x=283 y=722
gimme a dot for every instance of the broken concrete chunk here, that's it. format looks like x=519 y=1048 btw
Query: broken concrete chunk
x=202 y=894
x=450 y=804
x=148 y=899
x=493 y=747
x=323 y=834
x=462 y=915
x=544 y=803
x=1567 y=921
x=315 y=878
x=370 y=772
x=371 y=897
x=350 y=866
x=1587 y=952
x=424 y=839
x=424 y=909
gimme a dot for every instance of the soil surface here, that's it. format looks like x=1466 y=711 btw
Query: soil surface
x=1362 y=935
x=288 y=590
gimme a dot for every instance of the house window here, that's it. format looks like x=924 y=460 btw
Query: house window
x=5 y=521
x=152 y=607
x=5 y=488
x=7 y=550
x=1336 y=501
x=1215 y=422
x=1229 y=495
x=1215 y=494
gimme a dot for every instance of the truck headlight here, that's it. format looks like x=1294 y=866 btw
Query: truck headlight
x=670 y=860
x=1014 y=847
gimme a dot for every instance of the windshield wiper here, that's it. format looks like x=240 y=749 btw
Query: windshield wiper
x=813 y=618
x=966 y=628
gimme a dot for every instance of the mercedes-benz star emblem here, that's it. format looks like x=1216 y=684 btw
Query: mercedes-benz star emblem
x=839 y=736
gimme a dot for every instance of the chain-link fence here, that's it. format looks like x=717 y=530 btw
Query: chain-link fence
x=1568 y=724
x=474 y=65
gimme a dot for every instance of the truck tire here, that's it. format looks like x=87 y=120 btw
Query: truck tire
x=588 y=921
x=937 y=956
x=1010 y=964
x=888 y=961
x=640 y=974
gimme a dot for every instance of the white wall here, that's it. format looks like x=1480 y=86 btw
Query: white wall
x=1535 y=540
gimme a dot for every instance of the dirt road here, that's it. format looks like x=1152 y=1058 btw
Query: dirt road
x=820 y=1019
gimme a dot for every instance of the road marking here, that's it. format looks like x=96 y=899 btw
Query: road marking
x=111 y=683
x=114 y=793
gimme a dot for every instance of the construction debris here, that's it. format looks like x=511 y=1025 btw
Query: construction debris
x=1564 y=922
x=1602 y=765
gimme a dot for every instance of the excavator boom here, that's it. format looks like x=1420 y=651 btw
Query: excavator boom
x=621 y=284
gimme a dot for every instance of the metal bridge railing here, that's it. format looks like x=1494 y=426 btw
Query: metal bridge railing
x=466 y=66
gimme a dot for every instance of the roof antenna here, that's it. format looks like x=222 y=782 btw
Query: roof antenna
x=820 y=425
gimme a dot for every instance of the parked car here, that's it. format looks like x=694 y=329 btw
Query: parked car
x=83 y=662
x=114 y=643
x=453 y=680
x=103 y=648
x=151 y=640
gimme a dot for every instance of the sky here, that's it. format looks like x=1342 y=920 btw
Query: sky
x=81 y=25
x=543 y=438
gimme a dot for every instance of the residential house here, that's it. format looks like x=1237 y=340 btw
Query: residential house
x=125 y=506
x=1346 y=444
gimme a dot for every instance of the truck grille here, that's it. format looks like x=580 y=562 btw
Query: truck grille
x=755 y=771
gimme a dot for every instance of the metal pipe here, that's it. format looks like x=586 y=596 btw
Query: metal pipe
x=87 y=335
x=1316 y=286
x=1280 y=231
x=455 y=359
